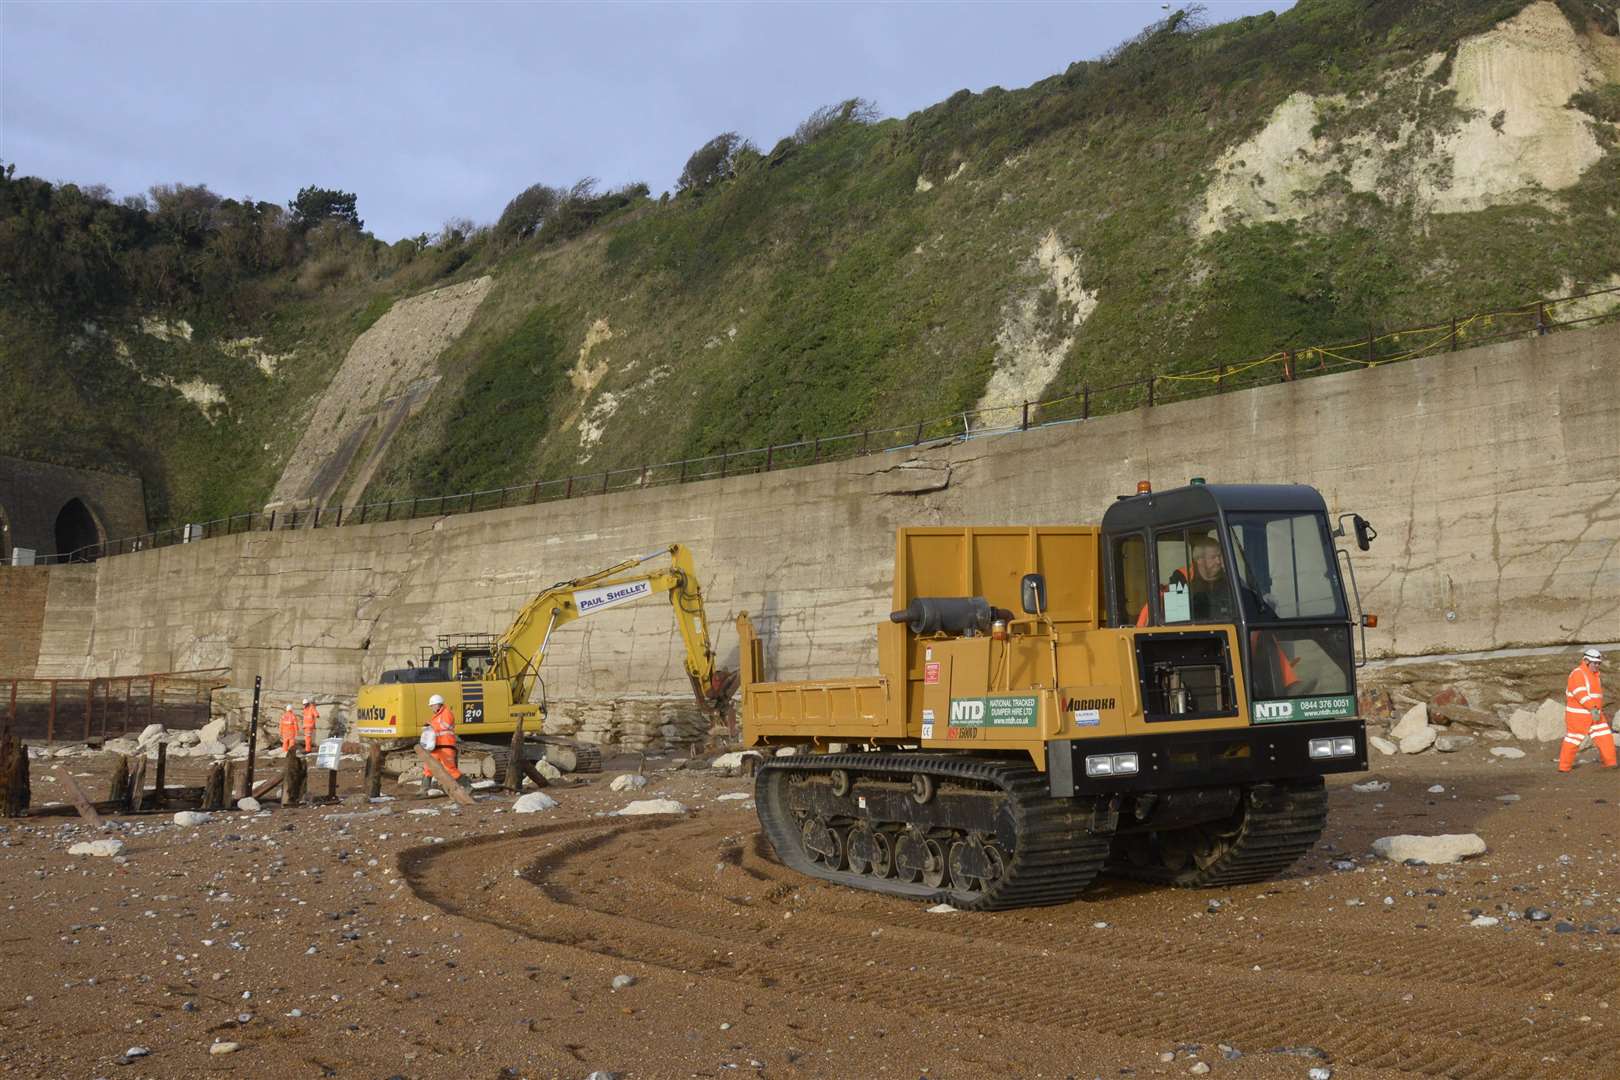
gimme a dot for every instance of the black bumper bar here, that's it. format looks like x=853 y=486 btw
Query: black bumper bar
x=1205 y=758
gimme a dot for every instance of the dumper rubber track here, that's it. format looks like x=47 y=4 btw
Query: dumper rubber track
x=1274 y=826
x=980 y=834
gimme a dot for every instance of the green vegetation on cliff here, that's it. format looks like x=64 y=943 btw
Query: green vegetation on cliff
x=1095 y=226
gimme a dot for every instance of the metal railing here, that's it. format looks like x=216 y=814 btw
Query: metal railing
x=97 y=709
x=1159 y=388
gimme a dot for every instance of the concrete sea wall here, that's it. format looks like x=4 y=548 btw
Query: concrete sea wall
x=1491 y=476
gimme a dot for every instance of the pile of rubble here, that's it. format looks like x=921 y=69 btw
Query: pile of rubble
x=1447 y=723
x=211 y=741
x=628 y=724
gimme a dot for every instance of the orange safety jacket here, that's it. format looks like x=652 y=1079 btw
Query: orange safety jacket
x=1583 y=694
x=443 y=723
x=311 y=714
x=289 y=724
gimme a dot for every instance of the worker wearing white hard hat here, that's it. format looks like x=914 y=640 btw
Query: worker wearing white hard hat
x=1583 y=713
x=289 y=728
x=311 y=715
x=439 y=739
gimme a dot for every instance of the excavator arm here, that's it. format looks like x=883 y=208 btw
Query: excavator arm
x=522 y=648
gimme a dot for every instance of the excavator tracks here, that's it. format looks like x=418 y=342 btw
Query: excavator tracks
x=1274 y=826
x=979 y=834
x=569 y=756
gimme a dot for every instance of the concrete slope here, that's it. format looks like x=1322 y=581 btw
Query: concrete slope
x=388 y=373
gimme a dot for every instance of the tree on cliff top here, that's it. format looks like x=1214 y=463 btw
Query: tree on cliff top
x=316 y=204
x=714 y=161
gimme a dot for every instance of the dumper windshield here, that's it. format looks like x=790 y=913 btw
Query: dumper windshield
x=1286 y=568
x=1288 y=582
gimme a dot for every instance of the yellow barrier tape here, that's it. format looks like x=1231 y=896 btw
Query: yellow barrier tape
x=1439 y=335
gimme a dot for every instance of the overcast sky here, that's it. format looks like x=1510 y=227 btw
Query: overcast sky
x=432 y=111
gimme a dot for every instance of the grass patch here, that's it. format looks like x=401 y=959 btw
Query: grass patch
x=487 y=435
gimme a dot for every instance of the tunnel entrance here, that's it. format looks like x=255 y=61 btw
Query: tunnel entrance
x=77 y=533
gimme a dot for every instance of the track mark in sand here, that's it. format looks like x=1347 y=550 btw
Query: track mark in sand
x=685 y=896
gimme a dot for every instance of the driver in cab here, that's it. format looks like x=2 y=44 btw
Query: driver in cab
x=1203 y=581
x=1208 y=592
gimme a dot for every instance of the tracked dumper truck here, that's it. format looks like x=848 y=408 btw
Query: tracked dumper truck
x=1165 y=706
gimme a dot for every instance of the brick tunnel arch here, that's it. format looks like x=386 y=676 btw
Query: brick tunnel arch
x=78 y=529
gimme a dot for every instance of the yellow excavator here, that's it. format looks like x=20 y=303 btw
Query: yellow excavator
x=486 y=680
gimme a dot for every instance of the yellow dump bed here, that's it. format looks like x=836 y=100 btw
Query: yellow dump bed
x=959 y=561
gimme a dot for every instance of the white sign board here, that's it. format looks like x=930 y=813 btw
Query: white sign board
x=593 y=600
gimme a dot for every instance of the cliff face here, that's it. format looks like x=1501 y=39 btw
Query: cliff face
x=1200 y=196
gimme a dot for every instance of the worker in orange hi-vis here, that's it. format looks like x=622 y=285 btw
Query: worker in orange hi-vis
x=439 y=739
x=311 y=714
x=1583 y=713
x=289 y=729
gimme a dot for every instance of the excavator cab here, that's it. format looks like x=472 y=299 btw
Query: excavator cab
x=1259 y=559
x=453 y=658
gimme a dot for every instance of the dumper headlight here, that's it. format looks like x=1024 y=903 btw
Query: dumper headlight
x=1342 y=746
x=1111 y=765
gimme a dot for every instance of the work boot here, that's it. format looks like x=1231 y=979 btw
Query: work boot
x=464 y=783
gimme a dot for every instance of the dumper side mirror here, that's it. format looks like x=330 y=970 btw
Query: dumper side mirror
x=1365 y=533
x=1033 y=592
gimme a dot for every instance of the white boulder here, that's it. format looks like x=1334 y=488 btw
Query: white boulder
x=1383 y=746
x=533 y=803
x=1447 y=744
x=1523 y=725
x=1509 y=752
x=211 y=731
x=1419 y=740
x=248 y=804
x=191 y=817
x=651 y=806
x=628 y=782
x=184 y=738
x=1550 y=721
x=151 y=735
x=1434 y=850
x=101 y=848
x=1414 y=720
x=211 y=749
